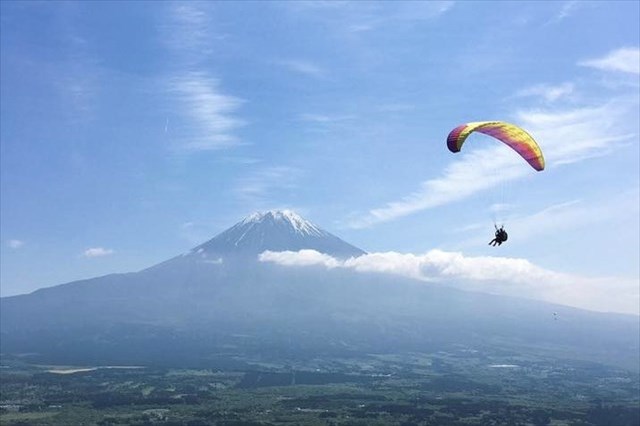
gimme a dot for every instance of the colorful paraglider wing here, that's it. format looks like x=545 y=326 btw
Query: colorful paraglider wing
x=519 y=140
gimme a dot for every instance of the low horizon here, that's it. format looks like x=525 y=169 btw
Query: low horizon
x=499 y=275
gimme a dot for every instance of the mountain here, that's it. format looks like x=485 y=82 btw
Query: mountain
x=276 y=231
x=219 y=305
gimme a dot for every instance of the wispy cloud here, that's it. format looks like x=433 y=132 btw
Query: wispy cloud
x=421 y=11
x=195 y=232
x=97 y=252
x=549 y=93
x=262 y=185
x=574 y=214
x=206 y=118
x=15 y=244
x=325 y=118
x=303 y=67
x=496 y=275
x=473 y=173
x=566 y=136
x=322 y=123
x=573 y=135
x=567 y=8
x=240 y=160
x=561 y=217
x=187 y=30
x=364 y=17
x=78 y=74
x=210 y=113
x=396 y=107
x=626 y=60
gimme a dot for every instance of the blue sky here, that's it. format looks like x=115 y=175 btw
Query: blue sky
x=131 y=132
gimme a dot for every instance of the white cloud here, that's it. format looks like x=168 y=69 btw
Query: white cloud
x=300 y=258
x=97 y=252
x=15 y=244
x=626 y=60
x=210 y=114
x=495 y=275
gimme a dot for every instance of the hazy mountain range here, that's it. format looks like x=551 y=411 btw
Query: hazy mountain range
x=218 y=305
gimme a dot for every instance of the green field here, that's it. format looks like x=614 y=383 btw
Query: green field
x=464 y=387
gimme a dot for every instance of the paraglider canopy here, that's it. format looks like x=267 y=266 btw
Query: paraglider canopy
x=513 y=136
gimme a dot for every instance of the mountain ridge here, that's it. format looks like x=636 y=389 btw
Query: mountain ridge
x=276 y=230
x=194 y=305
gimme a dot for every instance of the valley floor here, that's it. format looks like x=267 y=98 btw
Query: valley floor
x=460 y=387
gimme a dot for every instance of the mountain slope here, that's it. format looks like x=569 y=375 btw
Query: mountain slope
x=219 y=299
x=276 y=231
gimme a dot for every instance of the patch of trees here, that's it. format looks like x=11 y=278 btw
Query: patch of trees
x=111 y=399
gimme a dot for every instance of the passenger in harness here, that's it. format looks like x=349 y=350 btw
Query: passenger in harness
x=501 y=236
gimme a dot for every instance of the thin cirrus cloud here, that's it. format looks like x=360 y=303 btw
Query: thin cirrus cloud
x=77 y=74
x=207 y=117
x=626 y=60
x=210 y=115
x=548 y=220
x=576 y=213
x=566 y=10
x=366 y=17
x=263 y=184
x=495 y=275
x=15 y=244
x=461 y=179
x=186 y=30
x=303 y=67
x=325 y=118
x=573 y=214
x=97 y=252
x=326 y=123
x=593 y=131
x=549 y=93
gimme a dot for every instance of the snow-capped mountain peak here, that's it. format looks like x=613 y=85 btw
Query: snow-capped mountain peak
x=276 y=230
x=287 y=217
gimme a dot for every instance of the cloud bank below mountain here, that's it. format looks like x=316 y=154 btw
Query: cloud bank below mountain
x=487 y=274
